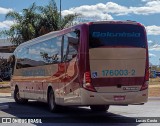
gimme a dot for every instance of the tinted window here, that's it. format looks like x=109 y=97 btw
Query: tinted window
x=23 y=58
x=55 y=50
x=47 y=52
x=116 y=35
x=70 y=50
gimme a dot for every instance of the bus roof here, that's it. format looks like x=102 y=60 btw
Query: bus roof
x=56 y=33
x=116 y=22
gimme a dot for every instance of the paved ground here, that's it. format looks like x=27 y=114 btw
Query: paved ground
x=117 y=115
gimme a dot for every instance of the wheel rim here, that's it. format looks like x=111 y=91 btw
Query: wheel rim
x=51 y=101
x=17 y=95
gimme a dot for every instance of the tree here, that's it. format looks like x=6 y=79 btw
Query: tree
x=25 y=27
x=35 y=21
x=52 y=20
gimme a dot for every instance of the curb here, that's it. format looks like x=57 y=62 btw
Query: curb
x=154 y=98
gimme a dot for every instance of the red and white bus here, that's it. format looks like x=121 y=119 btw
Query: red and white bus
x=94 y=64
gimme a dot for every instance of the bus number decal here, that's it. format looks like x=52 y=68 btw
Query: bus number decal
x=118 y=72
x=133 y=72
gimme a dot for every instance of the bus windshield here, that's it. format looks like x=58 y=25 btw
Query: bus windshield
x=128 y=35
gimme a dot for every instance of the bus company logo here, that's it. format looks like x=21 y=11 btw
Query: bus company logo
x=115 y=34
x=94 y=74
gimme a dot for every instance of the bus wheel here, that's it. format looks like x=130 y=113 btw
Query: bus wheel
x=53 y=107
x=100 y=108
x=17 y=97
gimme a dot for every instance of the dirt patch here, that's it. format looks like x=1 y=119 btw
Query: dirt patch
x=154 y=92
x=154 y=87
x=154 y=81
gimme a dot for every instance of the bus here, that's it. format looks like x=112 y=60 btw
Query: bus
x=94 y=64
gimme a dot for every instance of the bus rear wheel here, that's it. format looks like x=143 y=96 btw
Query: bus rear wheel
x=100 y=108
x=53 y=107
x=17 y=97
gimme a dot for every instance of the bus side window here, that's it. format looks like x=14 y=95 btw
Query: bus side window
x=71 y=42
x=11 y=62
x=47 y=52
x=22 y=58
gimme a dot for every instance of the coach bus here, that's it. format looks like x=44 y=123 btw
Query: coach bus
x=94 y=64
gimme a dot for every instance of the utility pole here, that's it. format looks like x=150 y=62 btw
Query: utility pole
x=60 y=10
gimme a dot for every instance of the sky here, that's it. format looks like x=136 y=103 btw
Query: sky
x=146 y=12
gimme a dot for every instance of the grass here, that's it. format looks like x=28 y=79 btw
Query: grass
x=154 y=87
x=4 y=82
x=154 y=91
x=153 y=81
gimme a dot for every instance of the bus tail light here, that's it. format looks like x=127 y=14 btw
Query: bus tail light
x=147 y=75
x=87 y=82
x=146 y=78
x=144 y=86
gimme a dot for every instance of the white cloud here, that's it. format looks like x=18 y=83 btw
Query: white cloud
x=149 y=0
x=153 y=30
x=5 y=10
x=152 y=55
x=114 y=8
x=150 y=41
x=6 y=24
x=97 y=12
x=102 y=11
x=155 y=47
x=151 y=7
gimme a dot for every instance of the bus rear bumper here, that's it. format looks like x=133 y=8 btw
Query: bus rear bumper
x=127 y=98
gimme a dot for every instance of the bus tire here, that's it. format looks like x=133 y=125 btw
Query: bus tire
x=17 y=97
x=100 y=108
x=53 y=107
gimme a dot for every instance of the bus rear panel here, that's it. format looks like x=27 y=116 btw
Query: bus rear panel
x=118 y=59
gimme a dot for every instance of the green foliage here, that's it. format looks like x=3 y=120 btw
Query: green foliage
x=36 y=21
x=156 y=68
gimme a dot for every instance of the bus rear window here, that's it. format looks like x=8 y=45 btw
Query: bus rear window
x=126 y=35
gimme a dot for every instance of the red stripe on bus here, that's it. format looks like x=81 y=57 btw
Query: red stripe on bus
x=118 y=47
x=114 y=81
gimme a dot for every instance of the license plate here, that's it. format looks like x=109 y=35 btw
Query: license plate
x=119 y=98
